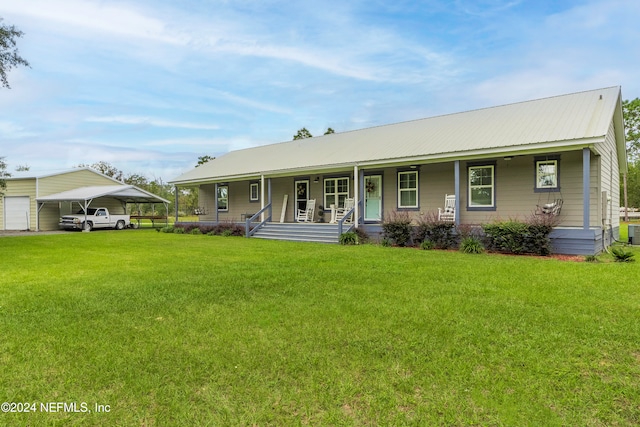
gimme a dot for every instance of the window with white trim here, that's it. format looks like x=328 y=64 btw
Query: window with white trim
x=223 y=197
x=547 y=174
x=254 y=192
x=336 y=190
x=482 y=186
x=408 y=189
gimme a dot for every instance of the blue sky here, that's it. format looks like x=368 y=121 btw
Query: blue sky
x=151 y=85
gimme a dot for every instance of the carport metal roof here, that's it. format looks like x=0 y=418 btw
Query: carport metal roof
x=123 y=193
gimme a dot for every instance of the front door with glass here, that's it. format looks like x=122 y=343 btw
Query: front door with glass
x=373 y=198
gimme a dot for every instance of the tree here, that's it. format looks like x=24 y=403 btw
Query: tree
x=105 y=168
x=9 y=57
x=204 y=159
x=329 y=131
x=3 y=175
x=302 y=134
x=631 y=114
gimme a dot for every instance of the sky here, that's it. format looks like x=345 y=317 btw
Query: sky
x=151 y=85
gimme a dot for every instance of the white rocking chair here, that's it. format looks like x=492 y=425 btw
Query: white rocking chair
x=342 y=212
x=448 y=214
x=306 y=214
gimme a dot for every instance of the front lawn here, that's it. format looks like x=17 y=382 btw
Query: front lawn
x=165 y=329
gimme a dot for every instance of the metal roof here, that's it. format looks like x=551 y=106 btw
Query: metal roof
x=124 y=193
x=557 y=123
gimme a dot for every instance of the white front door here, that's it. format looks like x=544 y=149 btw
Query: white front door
x=373 y=198
x=301 y=196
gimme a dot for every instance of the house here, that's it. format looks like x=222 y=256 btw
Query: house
x=36 y=202
x=500 y=162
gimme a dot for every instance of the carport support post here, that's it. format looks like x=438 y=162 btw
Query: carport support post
x=175 y=193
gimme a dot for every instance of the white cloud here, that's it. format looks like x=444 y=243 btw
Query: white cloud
x=149 y=121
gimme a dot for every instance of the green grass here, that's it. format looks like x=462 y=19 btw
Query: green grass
x=198 y=330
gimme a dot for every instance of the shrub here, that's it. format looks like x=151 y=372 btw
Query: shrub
x=227 y=233
x=427 y=245
x=167 y=229
x=591 y=258
x=518 y=237
x=440 y=233
x=471 y=245
x=386 y=242
x=195 y=231
x=179 y=230
x=363 y=237
x=397 y=228
x=349 y=238
x=621 y=255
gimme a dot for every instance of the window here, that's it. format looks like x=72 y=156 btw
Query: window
x=547 y=174
x=223 y=197
x=408 y=189
x=254 y=193
x=481 y=186
x=336 y=190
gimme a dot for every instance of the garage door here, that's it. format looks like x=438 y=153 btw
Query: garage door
x=16 y=213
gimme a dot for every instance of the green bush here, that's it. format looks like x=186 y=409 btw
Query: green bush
x=471 y=245
x=521 y=237
x=363 y=237
x=196 y=231
x=167 y=229
x=349 y=238
x=397 y=228
x=178 y=230
x=427 y=245
x=621 y=255
x=441 y=233
x=386 y=242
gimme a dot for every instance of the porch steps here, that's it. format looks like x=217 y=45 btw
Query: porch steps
x=301 y=232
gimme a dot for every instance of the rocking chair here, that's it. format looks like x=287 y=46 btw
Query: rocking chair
x=343 y=211
x=448 y=214
x=306 y=214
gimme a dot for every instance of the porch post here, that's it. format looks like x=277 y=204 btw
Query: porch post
x=362 y=194
x=586 y=173
x=262 y=197
x=356 y=195
x=269 y=198
x=456 y=188
x=215 y=202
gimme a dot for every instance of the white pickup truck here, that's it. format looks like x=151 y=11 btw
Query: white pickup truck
x=94 y=218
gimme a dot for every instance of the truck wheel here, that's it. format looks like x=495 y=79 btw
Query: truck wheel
x=87 y=226
x=119 y=225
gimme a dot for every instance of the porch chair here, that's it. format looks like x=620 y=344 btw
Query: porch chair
x=448 y=214
x=349 y=204
x=552 y=209
x=306 y=214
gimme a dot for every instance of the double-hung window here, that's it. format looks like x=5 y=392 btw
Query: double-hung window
x=408 y=190
x=223 y=197
x=547 y=174
x=336 y=190
x=482 y=186
x=254 y=192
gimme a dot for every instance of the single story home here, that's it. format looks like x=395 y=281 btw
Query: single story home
x=566 y=152
x=36 y=202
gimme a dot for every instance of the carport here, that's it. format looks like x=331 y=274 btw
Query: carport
x=84 y=196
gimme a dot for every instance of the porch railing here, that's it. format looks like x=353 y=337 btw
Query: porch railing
x=248 y=230
x=342 y=220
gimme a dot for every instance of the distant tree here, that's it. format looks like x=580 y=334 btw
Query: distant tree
x=3 y=175
x=23 y=168
x=302 y=134
x=137 y=180
x=633 y=185
x=329 y=131
x=631 y=113
x=204 y=159
x=9 y=57
x=105 y=168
